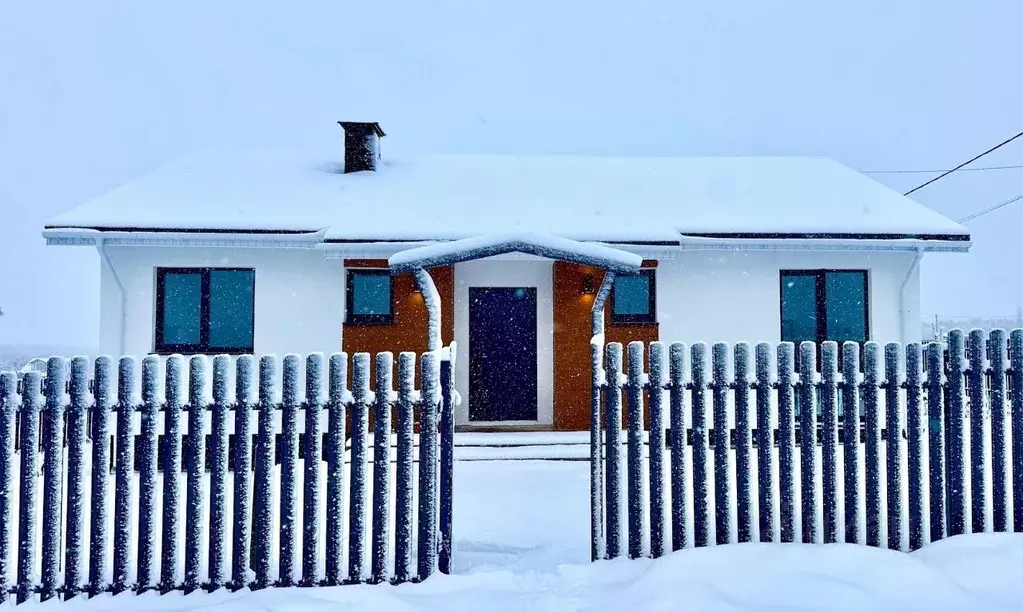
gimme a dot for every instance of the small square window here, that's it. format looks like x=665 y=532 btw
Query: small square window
x=633 y=299
x=369 y=297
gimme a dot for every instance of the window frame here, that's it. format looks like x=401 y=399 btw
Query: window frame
x=202 y=347
x=821 y=298
x=353 y=318
x=637 y=319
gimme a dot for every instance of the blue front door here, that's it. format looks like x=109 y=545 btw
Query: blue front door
x=502 y=353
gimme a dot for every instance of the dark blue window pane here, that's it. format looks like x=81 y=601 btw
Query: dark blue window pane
x=231 y=308
x=632 y=295
x=182 y=308
x=798 y=307
x=371 y=294
x=846 y=306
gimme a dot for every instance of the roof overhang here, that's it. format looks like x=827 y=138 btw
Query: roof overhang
x=824 y=242
x=71 y=236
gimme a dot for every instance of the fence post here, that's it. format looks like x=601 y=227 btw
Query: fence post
x=147 y=474
x=722 y=444
x=242 y=529
x=53 y=476
x=338 y=382
x=701 y=475
x=447 y=463
x=743 y=443
x=1016 y=424
x=195 y=455
x=598 y=547
x=171 y=472
x=679 y=488
x=288 y=545
x=999 y=475
x=360 y=454
x=851 y=439
x=786 y=442
x=829 y=439
x=808 y=441
x=123 y=469
x=428 y=465
x=404 y=479
x=915 y=432
x=893 y=447
x=936 y=438
x=218 y=474
x=381 y=466
x=955 y=483
x=976 y=348
x=262 y=534
x=636 y=490
x=31 y=404
x=8 y=409
x=872 y=454
x=101 y=407
x=613 y=412
x=765 y=444
x=311 y=468
x=74 y=521
x=656 y=449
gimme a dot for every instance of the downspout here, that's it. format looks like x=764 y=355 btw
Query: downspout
x=903 y=322
x=597 y=544
x=425 y=284
x=105 y=258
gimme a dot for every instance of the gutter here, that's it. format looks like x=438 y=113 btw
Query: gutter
x=903 y=315
x=122 y=328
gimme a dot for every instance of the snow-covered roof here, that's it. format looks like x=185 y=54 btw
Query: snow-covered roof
x=627 y=200
x=551 y=247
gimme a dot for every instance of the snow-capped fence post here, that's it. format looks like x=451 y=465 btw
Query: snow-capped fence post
x=850 y=388
x=975 y=374
x=102 y=403
x=722 y=443
x=262 y=534
x=765 y=443
x=829 y=440
x=173 y=405
x=195 y=452
x=334 y=540
x=613 y=473
x=74 y=521
x=381 y=467
x=743 y=442
x=872 y=446
x=701 y=494
x=8 y=409
x=637 y=484
x=808 y=442
x=403 y=481
x=123 y=467
x=147 y=474
x=360 y=450
x=31 y=405
x=447 y=463
x=677 y=422
x=656 y=446
x=893 y=383
x=241 y=553
x=936 y=438
x=786 y=442
x=312 y=452
x=53 y=476
x=1016 y=425
x=916 y=430
x=429 y=400
x=999 y=474
x=288 y=500
x=218 y=575
x=955 y=483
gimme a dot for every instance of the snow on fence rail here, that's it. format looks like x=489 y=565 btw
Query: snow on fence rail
x=94 y=523
x=934 y=447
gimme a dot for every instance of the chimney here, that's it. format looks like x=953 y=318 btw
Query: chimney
x=362 y=145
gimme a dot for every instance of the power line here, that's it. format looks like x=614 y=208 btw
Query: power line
x=990 y=209
x=967 y=162
x=981 y=169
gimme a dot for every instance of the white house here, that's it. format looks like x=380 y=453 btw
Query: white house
x=271 y=252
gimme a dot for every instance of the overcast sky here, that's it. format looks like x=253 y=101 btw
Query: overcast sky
x=93 y=94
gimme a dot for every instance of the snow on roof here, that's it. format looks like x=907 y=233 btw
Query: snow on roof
x=551 y=247
x=627 y=199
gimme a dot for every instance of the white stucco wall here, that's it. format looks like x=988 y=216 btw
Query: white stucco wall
x=298 y=302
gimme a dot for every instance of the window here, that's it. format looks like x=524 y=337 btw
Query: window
x=634 y=298
x=369 y=297
x=821 y=305
x=204 y=310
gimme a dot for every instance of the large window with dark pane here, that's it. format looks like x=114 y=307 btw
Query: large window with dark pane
x=820 y=305
x=205 y=310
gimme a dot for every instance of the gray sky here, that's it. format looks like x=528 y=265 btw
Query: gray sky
x=94 y=94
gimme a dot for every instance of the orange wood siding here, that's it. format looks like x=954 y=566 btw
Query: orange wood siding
x=572 y=342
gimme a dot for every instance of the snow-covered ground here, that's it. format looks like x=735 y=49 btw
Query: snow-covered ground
x=522 y=531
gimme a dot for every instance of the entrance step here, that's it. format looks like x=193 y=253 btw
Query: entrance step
x=513 y=446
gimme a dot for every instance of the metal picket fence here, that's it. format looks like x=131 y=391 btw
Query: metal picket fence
x=68 y=416
x=753 y=450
